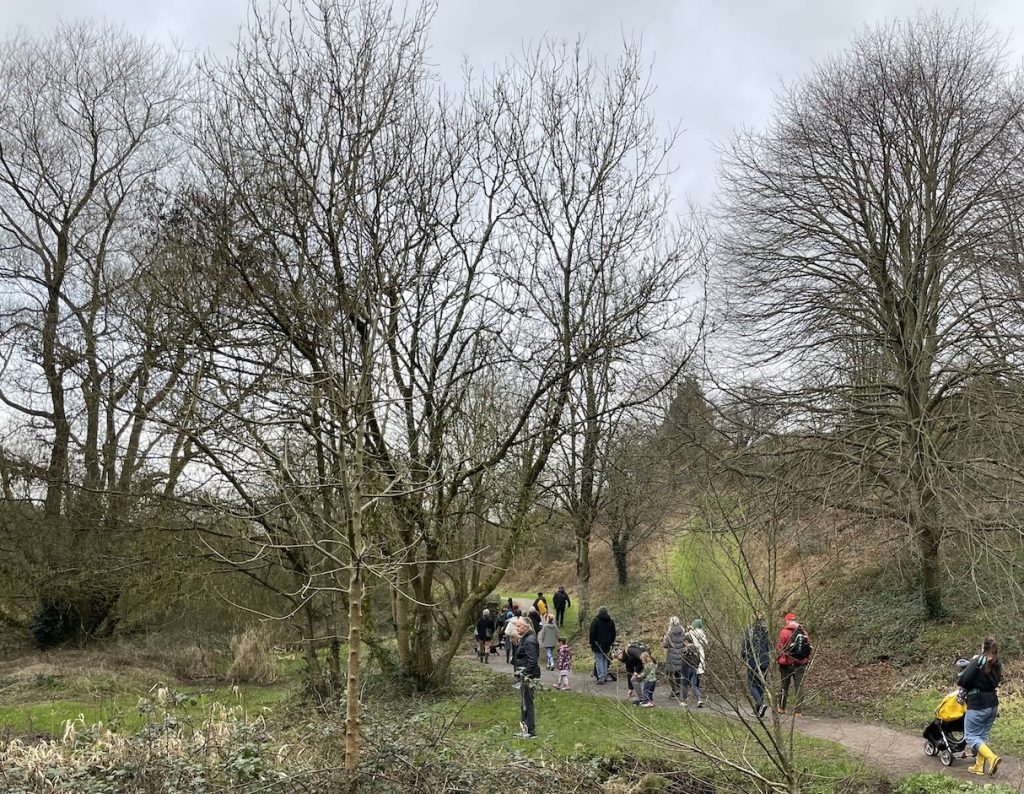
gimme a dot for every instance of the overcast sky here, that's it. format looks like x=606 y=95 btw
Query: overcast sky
x=716 y=62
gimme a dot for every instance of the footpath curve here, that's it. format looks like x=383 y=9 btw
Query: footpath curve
x=896 y=752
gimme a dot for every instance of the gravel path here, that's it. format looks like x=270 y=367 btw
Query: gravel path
x=896 y=752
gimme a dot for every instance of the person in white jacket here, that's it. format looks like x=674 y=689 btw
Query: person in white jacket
x=511 y=637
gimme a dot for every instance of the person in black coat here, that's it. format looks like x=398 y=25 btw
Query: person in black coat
x=484 y=634
x=755 y=650
x=631 y=657
x=526 y=666
x=561 y=601
x=602 y=638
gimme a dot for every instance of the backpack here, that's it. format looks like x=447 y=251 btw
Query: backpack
x=798 y=647
x=691 y=655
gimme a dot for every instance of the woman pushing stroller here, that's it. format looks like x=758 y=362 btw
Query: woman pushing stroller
x=980 y=679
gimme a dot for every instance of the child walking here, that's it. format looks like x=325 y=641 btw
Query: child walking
x=564 y=663
x=548 y=638
x=649 y=678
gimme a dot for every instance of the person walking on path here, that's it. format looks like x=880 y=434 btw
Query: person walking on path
x=511 y=635
x=561 y=601
x=527 y=673
x=535 y=618
x=540 y=604
x=564 y=664
x=675 y=639
x=484 y=633
x=794 y=651
x=548 y=638
x=693 y=662
x=602 y=638
x=755 y=650
x=981 y=679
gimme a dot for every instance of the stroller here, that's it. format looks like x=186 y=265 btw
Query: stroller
x=944 y=735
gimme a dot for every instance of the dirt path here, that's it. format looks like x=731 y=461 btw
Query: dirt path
x=895 y=752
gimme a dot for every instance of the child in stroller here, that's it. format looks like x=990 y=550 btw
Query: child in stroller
x=944 y=735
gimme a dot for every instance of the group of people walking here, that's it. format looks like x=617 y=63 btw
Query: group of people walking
x=686 y=658
x=523 y=637
x=686 y=649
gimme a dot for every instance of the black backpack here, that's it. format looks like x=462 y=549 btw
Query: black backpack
x=798 y=647
x=636 y=650
x=691 y=655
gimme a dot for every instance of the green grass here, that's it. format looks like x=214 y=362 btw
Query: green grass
x=573 y=726
x=704 y=570
x=570 y=628
x=130 y=711
x=938 y=783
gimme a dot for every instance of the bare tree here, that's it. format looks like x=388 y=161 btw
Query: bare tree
x=611 y=261
x=88 y=116
x=868 y=235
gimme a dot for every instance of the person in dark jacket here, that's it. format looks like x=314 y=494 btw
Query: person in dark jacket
x=755 y=650
x=602 y=638
x=561 y=601
x=673 y=643
x=981 y=680
x=792 y=667
x=632 y=658
x=484 y=633
x=526 y=666
x=535 y=618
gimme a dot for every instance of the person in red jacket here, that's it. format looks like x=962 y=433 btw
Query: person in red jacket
x=793 y=652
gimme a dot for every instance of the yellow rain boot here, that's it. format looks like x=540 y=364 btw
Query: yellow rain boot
x=984 y=754
x=978 y=768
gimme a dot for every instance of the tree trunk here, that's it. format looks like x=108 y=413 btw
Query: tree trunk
x=313 y=672
x=620 y=552
x=929 y=543
x=401 y=609
x=355 y=624
x=582 y=578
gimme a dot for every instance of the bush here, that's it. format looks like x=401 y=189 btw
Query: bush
x=253 y=662
x=53 y=624
x=75 y=617
x=193 y=663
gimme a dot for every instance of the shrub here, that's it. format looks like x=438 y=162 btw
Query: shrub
x=193 y=662
x=252 y=661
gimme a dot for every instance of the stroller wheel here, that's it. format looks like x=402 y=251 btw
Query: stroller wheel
x=930 y=749
x=946 y=758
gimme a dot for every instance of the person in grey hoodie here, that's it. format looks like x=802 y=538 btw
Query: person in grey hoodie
x=673 y=643
x=548 y=638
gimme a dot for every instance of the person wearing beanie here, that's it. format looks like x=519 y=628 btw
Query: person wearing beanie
x=602 y=638
x=540 y=604
x=793 y=653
